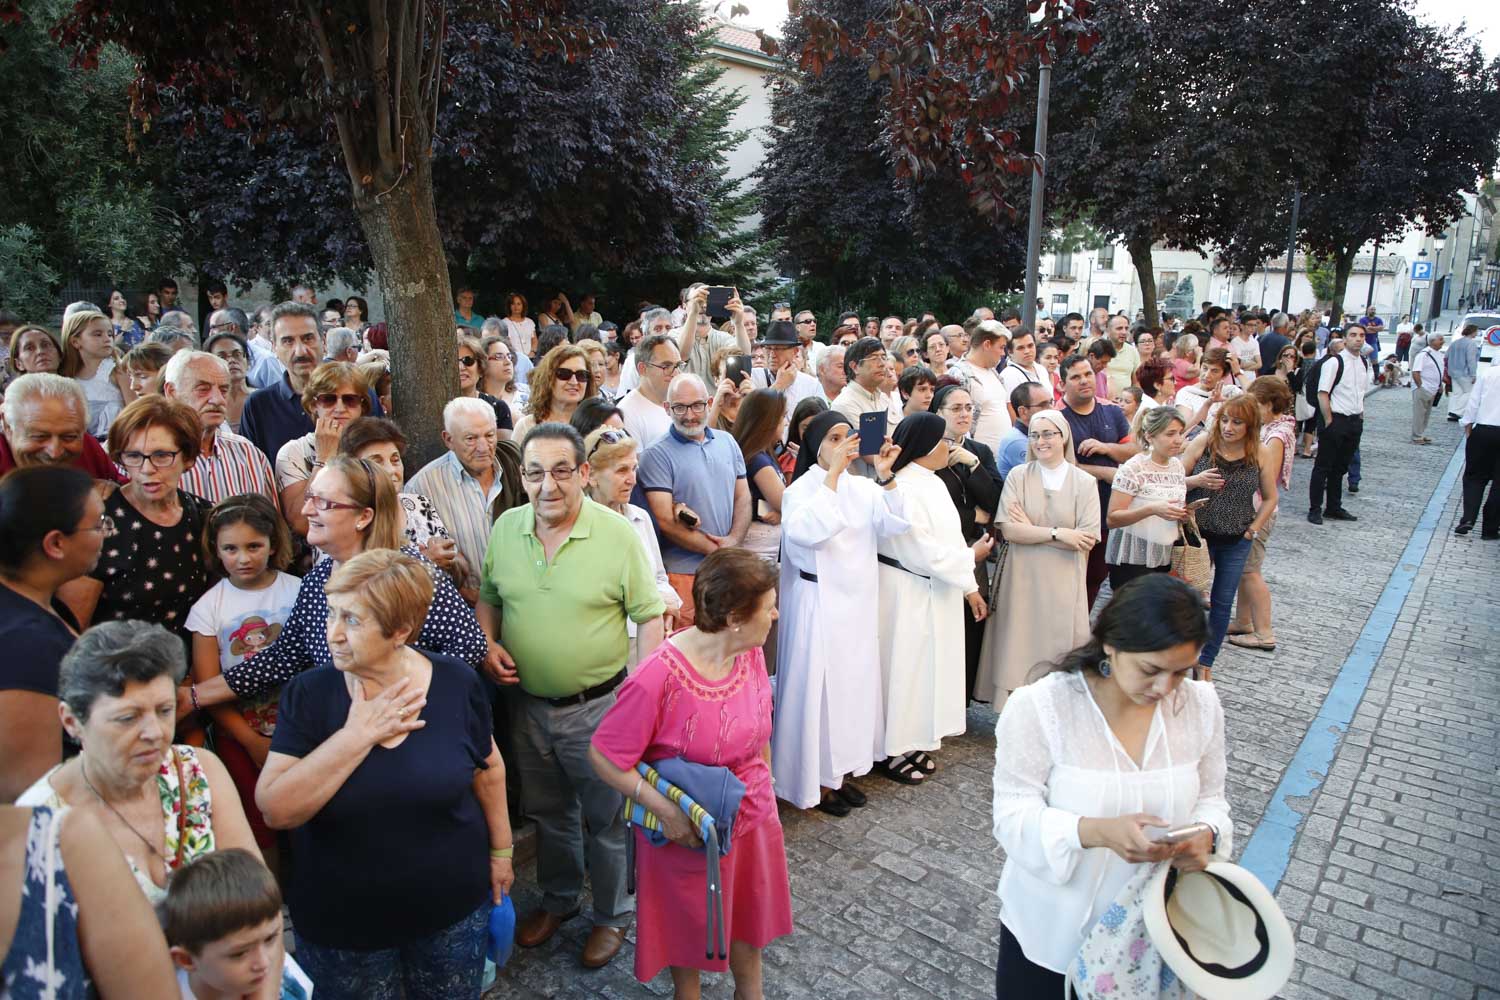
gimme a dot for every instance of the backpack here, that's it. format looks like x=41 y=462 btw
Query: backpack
x=1315 y=376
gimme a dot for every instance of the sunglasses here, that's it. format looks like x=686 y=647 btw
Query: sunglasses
x=572 y=374
x=349 y=399
x=613 y=435
x=468 y=361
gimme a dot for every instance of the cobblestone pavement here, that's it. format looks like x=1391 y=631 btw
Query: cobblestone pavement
x=1390 y=886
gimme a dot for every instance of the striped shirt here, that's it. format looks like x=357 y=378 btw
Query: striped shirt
x=466 y=508
x=236 y=466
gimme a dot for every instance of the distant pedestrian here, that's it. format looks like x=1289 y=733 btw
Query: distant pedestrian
x=1427 y=386
x=1463 y=369
x=1481 y=422
x=1342 y=381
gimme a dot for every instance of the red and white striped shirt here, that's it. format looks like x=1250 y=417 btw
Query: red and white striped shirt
x=236 y=466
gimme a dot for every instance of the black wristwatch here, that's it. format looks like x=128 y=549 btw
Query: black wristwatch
x=888 y=480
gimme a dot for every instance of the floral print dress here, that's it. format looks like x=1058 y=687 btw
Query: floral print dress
x=44 y=961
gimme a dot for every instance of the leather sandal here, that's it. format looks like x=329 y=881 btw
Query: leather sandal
x=1252 y=641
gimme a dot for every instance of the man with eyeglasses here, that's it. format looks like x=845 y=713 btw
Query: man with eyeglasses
x=227 y=464
x=46 y=423
x=785 y=374
x=644 y=408
x=654 y=321
x=1099 y=430
x=1025 y=399
x=560 y=577
x=696 y=490
x=807 y=332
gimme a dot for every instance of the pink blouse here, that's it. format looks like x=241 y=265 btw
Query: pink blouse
x=666 y=709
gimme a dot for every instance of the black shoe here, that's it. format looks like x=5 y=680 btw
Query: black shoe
x=1353 y=487
x=851 y=795
x=833 y=805
x=1313 y=517
x=1453 y=418
x=1489 y=536
x=1464 y=527
x=1339 y=515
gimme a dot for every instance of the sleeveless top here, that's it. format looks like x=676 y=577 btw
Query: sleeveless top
x=44 y=961
x=190 y=796
x=1230 y=510
x=105 y=401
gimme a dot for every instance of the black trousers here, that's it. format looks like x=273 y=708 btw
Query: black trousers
x=1337 y=444
x=1018 y=977
x=1122 y=574
x=1482 y=469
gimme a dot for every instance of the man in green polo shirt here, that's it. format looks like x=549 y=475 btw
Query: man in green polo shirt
x=560 y=577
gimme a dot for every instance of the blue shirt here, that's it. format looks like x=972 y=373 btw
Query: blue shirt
x=265 y=367
x=700 y=474
x=1463 y=357
x=1012 y=450
x=273 y=415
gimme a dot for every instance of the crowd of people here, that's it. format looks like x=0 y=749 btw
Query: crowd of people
x=692 y=536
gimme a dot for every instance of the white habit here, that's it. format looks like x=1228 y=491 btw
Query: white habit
x=828 y=712
x=922 y=618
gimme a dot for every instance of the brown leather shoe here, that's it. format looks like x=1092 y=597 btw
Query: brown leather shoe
x=603 y=944
x=539 y=926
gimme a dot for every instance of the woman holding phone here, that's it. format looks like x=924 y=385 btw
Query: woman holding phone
x=1094 y=762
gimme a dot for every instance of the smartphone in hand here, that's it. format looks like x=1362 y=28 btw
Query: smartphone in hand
x=1181 y=834
x=872 y=428
x=737 y=368
x=718 y=301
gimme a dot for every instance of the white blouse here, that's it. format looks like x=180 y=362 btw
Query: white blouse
x=1057 y=761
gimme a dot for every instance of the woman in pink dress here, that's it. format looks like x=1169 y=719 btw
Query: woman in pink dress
x=704 y=696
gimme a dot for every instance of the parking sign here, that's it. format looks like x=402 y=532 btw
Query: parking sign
x=1421 y=270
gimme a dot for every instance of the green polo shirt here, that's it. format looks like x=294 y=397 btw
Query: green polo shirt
x=564 y=622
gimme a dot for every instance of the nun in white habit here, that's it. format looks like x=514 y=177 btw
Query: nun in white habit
x=926 y=575
x=827 y=685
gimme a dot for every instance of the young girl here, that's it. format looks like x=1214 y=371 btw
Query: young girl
x=1185 y=357
x=247 y=541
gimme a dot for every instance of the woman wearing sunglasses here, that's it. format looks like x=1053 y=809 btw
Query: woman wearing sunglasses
x=335 y=395
x=349 y=507
x=471 y=360
x=559 y=382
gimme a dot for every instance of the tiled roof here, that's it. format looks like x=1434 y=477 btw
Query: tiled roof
x=1389 y=263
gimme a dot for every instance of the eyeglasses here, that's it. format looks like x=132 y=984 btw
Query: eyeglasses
x=227 y=356
x=468 y=361
x=669 y=366
x=1044 y=435
x=349 y=399
x=325 y=504
x=960 y=408
x=559 y=474
x=572 y=375
x=102 y=526
x=613 y=435
x=807 y=319
x=683 y=409
x=160 y=459
x=498 y=357
x=223 y=328
x=912 y=352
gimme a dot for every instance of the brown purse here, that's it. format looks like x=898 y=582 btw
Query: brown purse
x=182 y=808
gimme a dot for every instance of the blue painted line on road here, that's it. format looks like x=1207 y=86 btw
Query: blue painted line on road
x=1269 y=849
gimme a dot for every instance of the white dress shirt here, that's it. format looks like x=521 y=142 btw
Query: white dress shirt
x=1484 y=402
x=1348 y=397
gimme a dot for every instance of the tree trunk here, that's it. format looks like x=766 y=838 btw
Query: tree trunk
x=1343 y=265
x=1145 y=271
x=401 y=227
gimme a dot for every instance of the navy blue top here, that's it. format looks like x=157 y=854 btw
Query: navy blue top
x=401 y=850
x=273 y=415
x=34 y=643
x=760 y=460
x=1107 y=424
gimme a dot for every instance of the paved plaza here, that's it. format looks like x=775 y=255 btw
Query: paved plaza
x=1387 y=668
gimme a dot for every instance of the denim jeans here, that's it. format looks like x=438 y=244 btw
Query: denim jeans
x=1228 y=554
x=445 y=966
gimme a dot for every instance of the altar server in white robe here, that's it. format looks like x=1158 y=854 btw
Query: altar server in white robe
x=828 y=711
x=926 y=575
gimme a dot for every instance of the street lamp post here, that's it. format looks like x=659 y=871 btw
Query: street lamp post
x=1416 y=317
x=1435 y=306
x=1374 y=266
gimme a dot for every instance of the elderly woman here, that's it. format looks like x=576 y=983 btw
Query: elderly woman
x=936 y=350
x=380 y=442
x=335 y=395
x=34 y=349
x=613 y=457
x=1252 y=627
x=926 y=577
x=500 y=378
x=1049 y=516
x=831 y=521
x=152 y=566
x=559 y=382
x=163 y=804
x=1113 y=741
x=350 y=508
x=973 y=483
x=757 y=429
x=598 y=358
x=88 y=355
x=713 y=670
x=397 y=740
x=51 y=531
x=906 y=352
x=470 y=374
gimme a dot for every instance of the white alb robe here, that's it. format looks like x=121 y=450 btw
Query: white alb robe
x=827 y=685
x=922 y=618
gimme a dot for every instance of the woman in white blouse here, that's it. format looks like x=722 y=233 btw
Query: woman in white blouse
x=1092 y=761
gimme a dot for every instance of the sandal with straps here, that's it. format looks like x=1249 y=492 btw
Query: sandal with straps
x=924 y=762
x=905 y=771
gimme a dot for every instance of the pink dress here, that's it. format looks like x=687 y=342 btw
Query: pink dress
x=666 y=709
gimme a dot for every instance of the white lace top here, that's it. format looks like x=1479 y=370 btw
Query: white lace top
x=1057 y=761
x=1147 y=542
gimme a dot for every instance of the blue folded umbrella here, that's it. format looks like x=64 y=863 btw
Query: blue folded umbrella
x=502 y=932
x=710 y=796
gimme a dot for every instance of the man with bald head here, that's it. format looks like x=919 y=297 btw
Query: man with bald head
x=46 y=423
x=695 y=486
x=228 y=464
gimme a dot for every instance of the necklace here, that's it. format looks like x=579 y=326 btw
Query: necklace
x=83 y=770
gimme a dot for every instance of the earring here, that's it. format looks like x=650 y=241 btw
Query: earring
x=736 y=628
x=1104 y=670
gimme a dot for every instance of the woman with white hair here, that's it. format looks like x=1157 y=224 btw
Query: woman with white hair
x=1049 y=516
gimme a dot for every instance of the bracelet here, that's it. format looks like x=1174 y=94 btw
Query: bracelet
x=886 y=481
x=503 y=852
x=193 y=694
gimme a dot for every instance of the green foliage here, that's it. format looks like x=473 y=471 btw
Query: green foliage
x=1321 y=276
x=26 y=279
